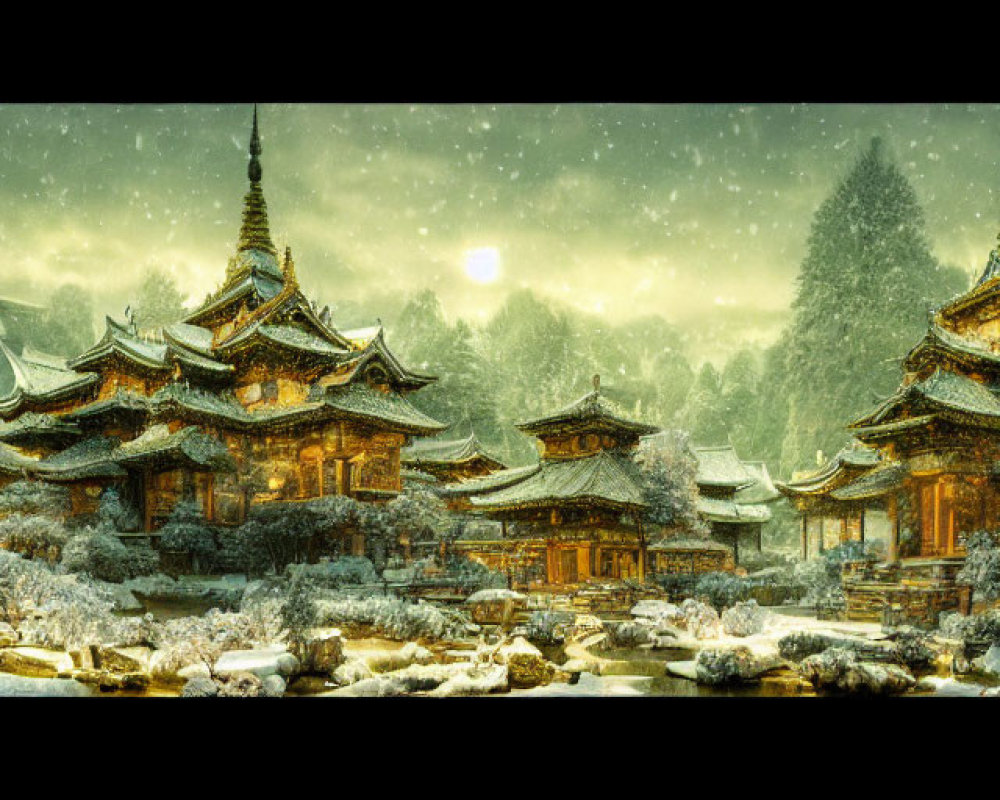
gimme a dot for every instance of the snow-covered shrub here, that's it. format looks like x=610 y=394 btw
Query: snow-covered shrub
x=187 y=532
x=629 y=634
x=233 y=553
x=914 y=647
x=392 y=617
x=343 y=571
x=53 y=610
x=975 y=628
x=744 y=619
x=298 y=612
x=677 y=586
x=34 y=497
x=753 y=561
x=721 y=589
x=33 y=536
x=548 y=627
x=700 y=619
x=473 y=576
x=103 y=556
x=115 y=513
x=982 y=566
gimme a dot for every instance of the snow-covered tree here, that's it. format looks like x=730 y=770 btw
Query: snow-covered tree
x=158 y=301
x=864 y=290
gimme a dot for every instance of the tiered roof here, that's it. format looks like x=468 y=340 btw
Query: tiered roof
x=604 y=478
x=847 y=464
x=721 y=467
x=36 y=378
x=592 y=412
x=941 y=395
x=437 y=452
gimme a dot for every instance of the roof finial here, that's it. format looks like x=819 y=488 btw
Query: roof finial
x=254 y=234
x=254 y=170
x=289 y=266
x=597 y=383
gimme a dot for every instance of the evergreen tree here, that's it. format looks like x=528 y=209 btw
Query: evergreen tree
x=864 y=291
x=740 y=379
x=68 y=327
x=704 y=415
x=159 y=301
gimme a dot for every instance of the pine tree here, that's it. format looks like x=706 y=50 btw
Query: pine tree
x=740 y=379
x=68 y=328
x=703 y=415
x=159 y=301
x=864 y=290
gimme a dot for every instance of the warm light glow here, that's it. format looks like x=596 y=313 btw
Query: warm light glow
x=482 y=264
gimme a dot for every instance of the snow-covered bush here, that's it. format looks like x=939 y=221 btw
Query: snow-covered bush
x=392 y=617
x=34 y=497
x=343 y=571
x=33 y=536
x=721 y=589
x=548 y=627
x=298 y=612
x=668 y=470
x=50 y=609
x=982 y=566
x=972 y=627
x=187 y=532
x=103 y=556
x=115 y=513
x=744 y=619
x=473 y=576
x=628 y=634
x=700 y=619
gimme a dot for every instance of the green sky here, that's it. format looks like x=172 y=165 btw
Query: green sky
x=699 y=213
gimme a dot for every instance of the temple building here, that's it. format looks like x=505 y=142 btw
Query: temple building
x=846 y=500
x=253 y=397
x=938 y=436
x=447 y=460
x=19 y=322
x=577 y=513
x=733 y=496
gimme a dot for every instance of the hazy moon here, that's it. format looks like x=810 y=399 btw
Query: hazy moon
x=482 y=264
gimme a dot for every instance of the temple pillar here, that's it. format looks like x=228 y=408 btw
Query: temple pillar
x=893 y=514
x=641 y=566
x=805 y=536
x=861 y=526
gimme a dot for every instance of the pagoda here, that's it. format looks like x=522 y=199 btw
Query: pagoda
x=448 y=460
x=938 y=438
x=253 y=397
x=577 y=513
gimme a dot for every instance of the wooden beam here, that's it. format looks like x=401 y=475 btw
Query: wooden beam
x=805 y=536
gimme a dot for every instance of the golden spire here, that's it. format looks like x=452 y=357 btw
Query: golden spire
x=255 y=234
x=288 y=268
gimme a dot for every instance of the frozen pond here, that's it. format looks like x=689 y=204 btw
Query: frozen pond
x=18 y=686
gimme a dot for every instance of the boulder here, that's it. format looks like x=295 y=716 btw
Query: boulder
x=192 y=671
x=8 y=636
x=683 y=669
x=629 y=634
x=275 y=660
x=657 y=610
x=414 y=678
x=123 y=659
x=495 y=606
x=350 y=672
x=200 y=686
x=989 y=662
x=241 y=684
x=321 y=652
x=35 y=661
x=840 y=669
x=744 y=619
x=732 y=665
x=273 y=686
x=19 y=686
x=122 y=598
x=526 y=666
x=112 y=681
x=797 y=646
x=475 y=681
x=390 y=660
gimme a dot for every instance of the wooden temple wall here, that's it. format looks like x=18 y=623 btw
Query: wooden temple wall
x=691 y=562
x=572 y=446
